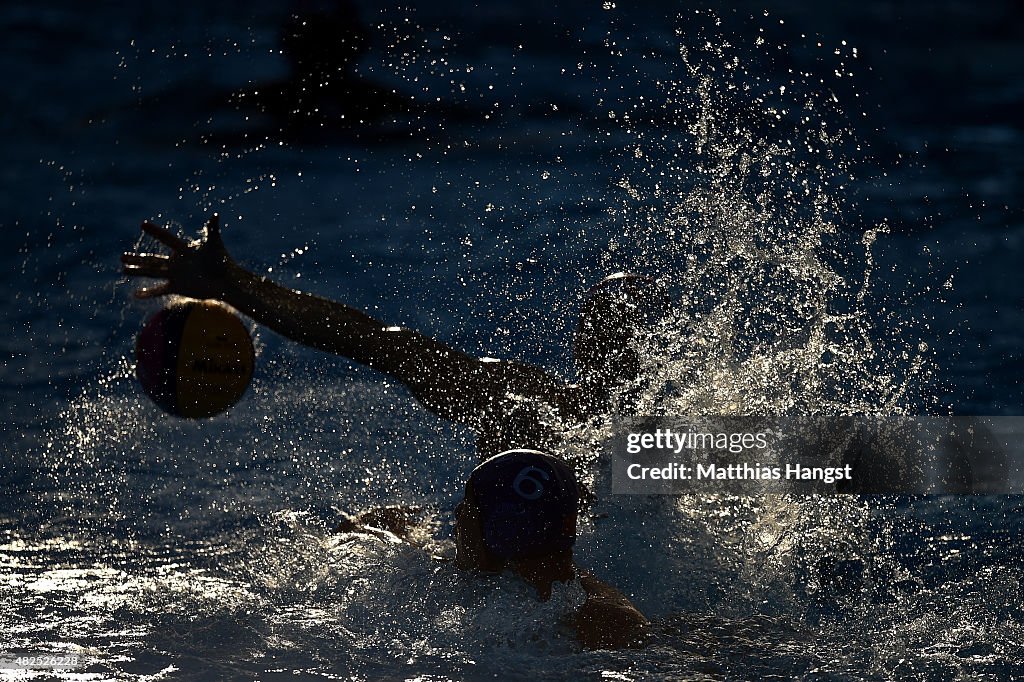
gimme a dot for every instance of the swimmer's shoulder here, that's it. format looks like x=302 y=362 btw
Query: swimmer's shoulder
x=530 y=381
x=515 y=371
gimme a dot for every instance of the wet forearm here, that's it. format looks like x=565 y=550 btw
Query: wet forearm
x=305 y=318
x=449 y=382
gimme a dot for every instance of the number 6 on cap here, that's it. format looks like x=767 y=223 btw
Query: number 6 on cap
x=538 y=486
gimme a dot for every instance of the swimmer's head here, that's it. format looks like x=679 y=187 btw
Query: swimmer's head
x=519 y=505
x=615 y=311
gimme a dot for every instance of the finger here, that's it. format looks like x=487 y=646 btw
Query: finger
x=164 y=236
x=153 y=292
x=213 y=225
x=144 y=259
x=158 y=271
x=213 y=230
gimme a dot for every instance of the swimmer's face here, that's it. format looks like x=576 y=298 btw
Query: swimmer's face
x=603 y=348
x=470 y=551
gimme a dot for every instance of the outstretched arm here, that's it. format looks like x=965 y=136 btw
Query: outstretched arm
x=447 y=381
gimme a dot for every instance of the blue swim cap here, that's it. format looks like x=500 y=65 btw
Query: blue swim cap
x=527 y=502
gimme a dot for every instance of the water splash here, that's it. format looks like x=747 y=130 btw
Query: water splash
x=738 y=191
x=742 y=199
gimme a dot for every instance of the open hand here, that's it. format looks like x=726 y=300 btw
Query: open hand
x=197 y=269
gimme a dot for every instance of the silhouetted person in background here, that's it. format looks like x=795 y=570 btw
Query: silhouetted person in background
x=324 y=95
